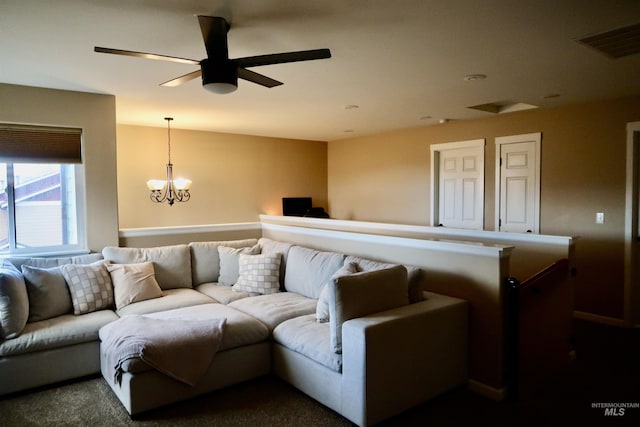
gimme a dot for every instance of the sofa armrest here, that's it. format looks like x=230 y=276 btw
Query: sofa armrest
x=398 y=358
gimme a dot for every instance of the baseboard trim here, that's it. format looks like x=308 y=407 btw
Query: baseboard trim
x=611 y=321
x=486 y=390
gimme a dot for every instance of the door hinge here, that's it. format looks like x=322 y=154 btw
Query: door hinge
x=500 y=223
x=500 y=161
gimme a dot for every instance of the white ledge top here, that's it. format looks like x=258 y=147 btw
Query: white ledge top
x=418 y=231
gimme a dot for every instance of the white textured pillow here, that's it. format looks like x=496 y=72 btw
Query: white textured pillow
x=133 y=283
x=259 y=273
x=322 y=309
x=229 y=265
x=90 y=287
x=361 y=294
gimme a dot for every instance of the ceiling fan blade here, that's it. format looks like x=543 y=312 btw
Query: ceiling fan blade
x=182 y=79
x=214 y=32
x=254 y=77
x=279 y=58
x=145 y=55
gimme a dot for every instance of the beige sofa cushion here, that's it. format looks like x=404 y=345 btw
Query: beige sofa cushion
x=172 y=264
x=61 y=331
x=312 y=339
x=170 y=299
x=205 y=262
x=308 y=270
x=273 y=309
x=364 y=293
x=222 y=293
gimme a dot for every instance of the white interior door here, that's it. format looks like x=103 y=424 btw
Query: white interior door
x=460 y=184
x=518 y=181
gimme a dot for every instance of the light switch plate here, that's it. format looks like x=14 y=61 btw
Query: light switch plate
x=600 y=218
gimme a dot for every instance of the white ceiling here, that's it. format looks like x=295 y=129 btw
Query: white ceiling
x=399 y=61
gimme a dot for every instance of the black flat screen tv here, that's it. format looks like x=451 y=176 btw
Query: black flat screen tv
x=295 y=206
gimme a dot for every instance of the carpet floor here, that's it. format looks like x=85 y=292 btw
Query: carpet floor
x=606 y=370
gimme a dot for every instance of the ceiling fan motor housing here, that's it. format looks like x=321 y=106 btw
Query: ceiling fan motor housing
x=219 y=76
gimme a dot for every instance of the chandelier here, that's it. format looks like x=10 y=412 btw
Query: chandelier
x=171 y=190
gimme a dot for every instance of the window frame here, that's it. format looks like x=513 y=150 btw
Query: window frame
x=80 y=197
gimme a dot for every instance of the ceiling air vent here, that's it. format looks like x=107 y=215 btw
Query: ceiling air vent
x=503 y=107
x=616 y=43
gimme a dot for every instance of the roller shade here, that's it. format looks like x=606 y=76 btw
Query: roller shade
x=40 y=144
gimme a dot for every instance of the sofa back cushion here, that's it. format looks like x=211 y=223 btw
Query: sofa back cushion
x=364 y=293
x=55 y=262
x=205 y=261
x=308 y=270
x=415 y=275
x=14 y=301
x=172 y=264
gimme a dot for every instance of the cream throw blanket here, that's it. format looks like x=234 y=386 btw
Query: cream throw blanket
x=181 y=349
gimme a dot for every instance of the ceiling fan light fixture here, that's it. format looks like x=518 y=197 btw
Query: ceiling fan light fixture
x=219 y=77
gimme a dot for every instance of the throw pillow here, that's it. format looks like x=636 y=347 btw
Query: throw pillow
x=14 y=301
x=259 y=273
x=362 y=294
x=229 y=262
x=133 y=283
x=322 y=309
x=415 y=275
x=90 y=286
x=48 y=293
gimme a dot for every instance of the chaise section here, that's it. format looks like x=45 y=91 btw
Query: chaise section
x=244 y=353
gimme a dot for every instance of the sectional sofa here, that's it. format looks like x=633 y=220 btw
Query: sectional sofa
x=357 y=335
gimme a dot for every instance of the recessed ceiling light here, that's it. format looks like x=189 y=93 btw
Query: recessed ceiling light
x=425 y=117
x=443 y=121
x=351 y=107
x=474 y=77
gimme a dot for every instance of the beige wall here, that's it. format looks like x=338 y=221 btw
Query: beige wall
x=235 y=177
x=386 y=178
x=96 y=115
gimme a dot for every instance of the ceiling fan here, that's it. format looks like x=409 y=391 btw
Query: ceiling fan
x=219 y=73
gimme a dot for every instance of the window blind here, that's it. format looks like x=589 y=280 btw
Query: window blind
x=40 y=144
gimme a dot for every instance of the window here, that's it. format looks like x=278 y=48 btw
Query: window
x=41 y=182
